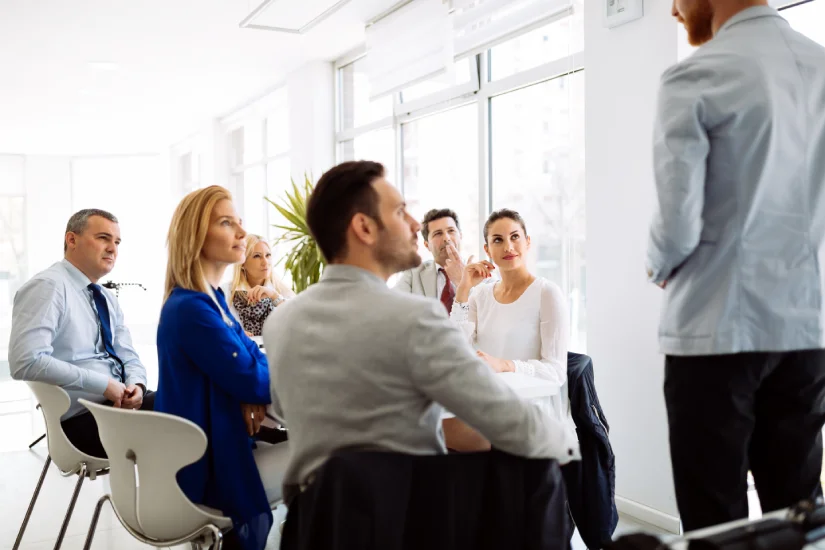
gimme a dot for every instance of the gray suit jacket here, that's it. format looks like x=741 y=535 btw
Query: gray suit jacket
x=739 y=233
x=355 y=364
x=421 y=280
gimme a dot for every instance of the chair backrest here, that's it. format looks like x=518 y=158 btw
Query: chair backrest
x=54 y=402
x=146 y=450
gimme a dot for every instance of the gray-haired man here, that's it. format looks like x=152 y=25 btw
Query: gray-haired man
x=68 y=331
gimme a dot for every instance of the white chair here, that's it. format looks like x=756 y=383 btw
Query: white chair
x=146 y=450
x=54 y=402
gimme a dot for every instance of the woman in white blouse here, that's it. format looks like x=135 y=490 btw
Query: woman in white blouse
x=255 y=290
x=519 y=324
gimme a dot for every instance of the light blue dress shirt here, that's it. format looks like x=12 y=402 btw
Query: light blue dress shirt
x=56 y=338
x=739 y=159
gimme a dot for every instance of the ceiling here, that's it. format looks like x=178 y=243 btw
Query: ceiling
x=93 y=77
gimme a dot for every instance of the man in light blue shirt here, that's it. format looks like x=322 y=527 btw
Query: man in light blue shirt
x=68 y=331
x=738 y=242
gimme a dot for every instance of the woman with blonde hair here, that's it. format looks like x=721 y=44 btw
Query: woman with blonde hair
x=255 y=291
x=212 y=373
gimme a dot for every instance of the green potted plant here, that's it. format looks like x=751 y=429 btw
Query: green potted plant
x=304 y=261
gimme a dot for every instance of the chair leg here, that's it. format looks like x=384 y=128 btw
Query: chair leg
x=36 y=441
x=218 y=539
x=93 y=525
x=81 y=475
x=31 y=504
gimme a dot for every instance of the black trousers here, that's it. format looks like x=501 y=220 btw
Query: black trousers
x=82 y=429
x=728 y=414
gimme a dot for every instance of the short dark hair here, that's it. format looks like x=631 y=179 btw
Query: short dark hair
x=79 y=220
x=436 y=214
x=341 y=193
x=504 y=213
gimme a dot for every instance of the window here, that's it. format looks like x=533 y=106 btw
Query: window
x=356 y=109
x=551 y=42
x=540 y=174
x=377 y=145
x=504 y=128
x=441 y=169
x=259 y=160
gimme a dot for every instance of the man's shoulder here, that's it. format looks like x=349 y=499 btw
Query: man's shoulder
x=426 y=265
x=53 y=277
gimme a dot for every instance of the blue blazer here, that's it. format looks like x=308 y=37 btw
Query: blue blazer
x=207 y=370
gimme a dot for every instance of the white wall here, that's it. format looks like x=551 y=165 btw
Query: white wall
x=311 y=92
x=623 y=66
x=48 y=183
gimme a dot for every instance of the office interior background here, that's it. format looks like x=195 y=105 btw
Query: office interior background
x=127 y=106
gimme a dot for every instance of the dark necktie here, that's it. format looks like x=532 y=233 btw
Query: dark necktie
x=105 y=326
x=448 y=294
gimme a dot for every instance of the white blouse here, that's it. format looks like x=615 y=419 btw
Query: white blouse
x=533 y=332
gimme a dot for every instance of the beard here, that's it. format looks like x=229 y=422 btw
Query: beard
x=395 y=254
x=699 y=23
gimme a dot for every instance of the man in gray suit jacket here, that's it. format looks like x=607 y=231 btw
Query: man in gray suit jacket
x=738 y=243
x=355 y=364
x=439 y=277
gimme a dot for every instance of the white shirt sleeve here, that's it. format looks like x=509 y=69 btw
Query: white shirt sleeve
x=466 y=318
x=555 y=338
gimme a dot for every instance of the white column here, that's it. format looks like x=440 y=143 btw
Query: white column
x=623 y=67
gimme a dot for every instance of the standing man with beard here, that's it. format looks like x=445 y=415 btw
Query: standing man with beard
x=738 y=244
x=439 y=277
x=369 y=367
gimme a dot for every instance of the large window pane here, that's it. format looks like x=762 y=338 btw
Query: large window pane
x=543 y=45
x=538 y=170
x=356 y=107
x=378 y=145
x=808 y=19
x=441 y=169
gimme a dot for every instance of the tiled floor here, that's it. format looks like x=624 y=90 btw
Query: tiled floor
x=19 y=472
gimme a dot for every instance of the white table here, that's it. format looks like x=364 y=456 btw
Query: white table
x=527 y=387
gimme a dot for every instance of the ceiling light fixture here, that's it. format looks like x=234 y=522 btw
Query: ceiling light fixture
x=247 y=23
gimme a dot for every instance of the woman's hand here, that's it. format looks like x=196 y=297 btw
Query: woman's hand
x=476 y=272
x=258 y=293
x=473 y=274
x=498 y=365
x=253 y=416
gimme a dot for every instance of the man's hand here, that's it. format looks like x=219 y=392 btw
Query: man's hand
x=498 y=365
x=454 y=266
x=253 y=416
x=133 y=397
x=661 y=285
x=115 y=392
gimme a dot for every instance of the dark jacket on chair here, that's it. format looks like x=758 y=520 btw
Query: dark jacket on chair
x=391 y=501
x=591 y=482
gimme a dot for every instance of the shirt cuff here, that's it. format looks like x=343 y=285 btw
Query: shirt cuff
x=96 y=383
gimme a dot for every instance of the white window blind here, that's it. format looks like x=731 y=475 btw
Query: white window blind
x=481 y=24
x=408 y=46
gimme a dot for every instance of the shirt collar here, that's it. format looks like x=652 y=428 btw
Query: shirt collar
x=751 y=13
x=350 y=273
x=77 y=278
